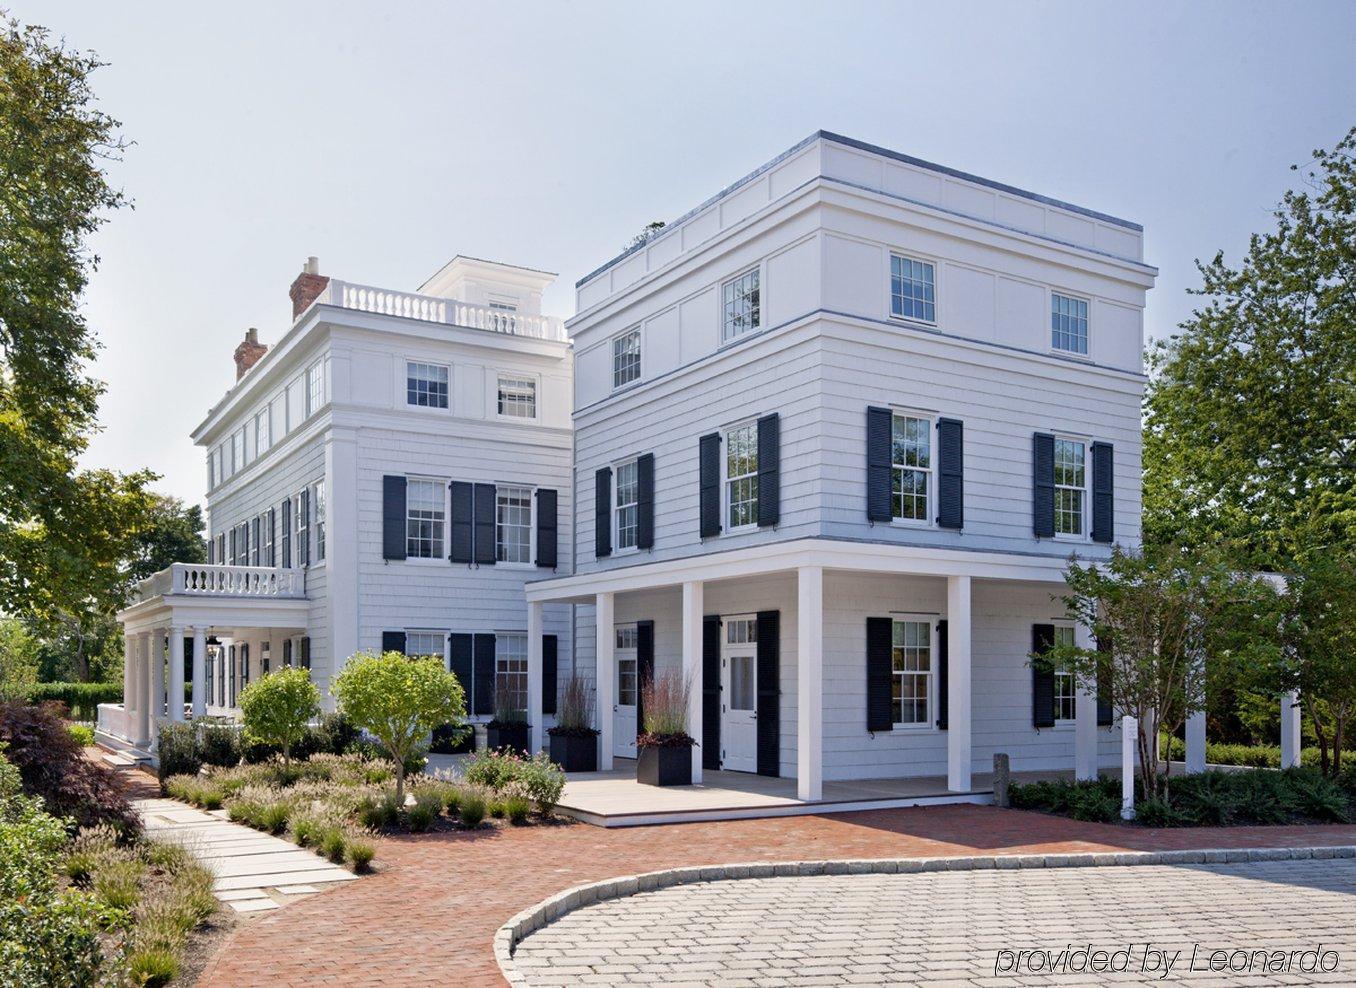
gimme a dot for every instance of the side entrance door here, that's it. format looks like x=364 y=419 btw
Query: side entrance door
x=628 y=685
x=739 y=694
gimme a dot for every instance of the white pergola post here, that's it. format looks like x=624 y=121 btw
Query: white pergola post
x=1085 y=717
x=958 y=683
x=199 y=672
x=810 y=683
x=692 y=668
x=1290 y=730
x=605 y=678
x=143 y=690
x=176 y=675
x=1129 y=738
x=534 y=677
x=157 y=646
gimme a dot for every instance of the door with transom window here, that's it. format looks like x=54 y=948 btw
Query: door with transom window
x=739 y=694
x=624 y=725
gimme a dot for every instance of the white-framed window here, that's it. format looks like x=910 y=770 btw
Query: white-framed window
x=911 y=467
x=913 y=289
x=237 y=451
x=266 y=537
x=214 y=466
x=741 y=476
x=1071 y=478
x=627 y=636
x=626 y=358
x=1066 y=691
x=627 y=494
x=425 y=644
x=911 y=664
x=315 y=387
x=741 y=306
x=1068 y=323
x=426 y=384
x=262 y=437
x=425 y=518
x=301 y=530
x=510 y=667
x=517 y=397
x=513 y=524
x=318 y=511
x=503 y=306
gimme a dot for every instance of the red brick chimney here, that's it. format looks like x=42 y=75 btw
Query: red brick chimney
x=247 y=354
x=308 y=286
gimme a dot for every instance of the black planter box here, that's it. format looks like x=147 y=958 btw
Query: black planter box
x=443 y=743
x=575 y=753
x=664 y=766
x=509 y=736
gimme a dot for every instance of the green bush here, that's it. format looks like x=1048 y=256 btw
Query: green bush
x=517 y=808
x=544 y=781
x=422 y=814
x=1157 y=813
x=1253 y=755
x=333 y=844
x=219 y=744
x=360 y=853
x=82 y=733
x=472 y=810
x=177 y=748
x=81 y=700
x=277 y=708
x=153 y=966
x=538 y=777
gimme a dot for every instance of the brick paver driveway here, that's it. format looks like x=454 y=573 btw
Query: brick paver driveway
x=967 y=928
x=429 y=916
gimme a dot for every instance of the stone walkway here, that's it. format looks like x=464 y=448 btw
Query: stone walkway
x=964 y=928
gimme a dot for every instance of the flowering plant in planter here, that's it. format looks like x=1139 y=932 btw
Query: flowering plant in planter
x=574 y=739
x=664 y=748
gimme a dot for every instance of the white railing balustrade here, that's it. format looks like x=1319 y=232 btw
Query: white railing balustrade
x=210 y=580
x=451 y=312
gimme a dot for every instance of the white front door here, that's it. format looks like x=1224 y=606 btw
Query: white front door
x=739 y=695
x=628 y=685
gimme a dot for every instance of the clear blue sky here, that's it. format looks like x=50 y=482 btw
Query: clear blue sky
x=385 y=138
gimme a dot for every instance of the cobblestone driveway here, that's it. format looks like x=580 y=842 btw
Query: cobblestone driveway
x=951 y=927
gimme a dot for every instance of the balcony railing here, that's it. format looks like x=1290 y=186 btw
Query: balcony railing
x=410 y=305
x=210 y=580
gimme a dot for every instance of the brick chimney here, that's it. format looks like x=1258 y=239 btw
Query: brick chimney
x=247 y=354
x=308 y=286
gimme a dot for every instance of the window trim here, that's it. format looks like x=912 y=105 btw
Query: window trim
x=720 y=303
x=310 y=407
x=404 y=389
x=319 y=540
x=640 y=356
x=894 y=252
x=499 y=638
x=439 y=633
x=929 y=723
x=437 y=557
x=1050 y=294
x=535 y=418
x=1064 y=722
x=531 y=526
x=725 y=527
x=1086 y=535
x=930 y=518
x=616 y=506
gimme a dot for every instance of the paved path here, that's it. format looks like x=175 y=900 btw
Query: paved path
x=960 y=928
x=428 y=917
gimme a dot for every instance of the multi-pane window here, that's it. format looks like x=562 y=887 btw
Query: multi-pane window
x=424 y=644
x=912 y=289
x=513 y=524
x=518 y=397
x=214 y=461
x=237 y=450
x=741 y=305
x=424 y=519
x=741 y=476
x=911 y=467
x=626 y=358
x=741 y=631
x=1068 y=323
x=315 y=387
x=1066 y=695
x=426 y=385
x=628 y=496
x=318 y=509
x=510 y=661
x=265 y=541
x=628 y=680
x=301 y=530
x=262 y=439
x=912 y=665
x=1070 y=484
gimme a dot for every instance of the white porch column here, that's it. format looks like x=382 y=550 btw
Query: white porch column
x=199 y=672
x=1195 y=728
x=958 y=683
x=692 y=668
x=605 y=678
x=176 y=675
x=129 y=682
x=810 y=683
x=1085 y=717
x=534 y=676
x=143 y=714
x=157 y=680
x=1290 y=730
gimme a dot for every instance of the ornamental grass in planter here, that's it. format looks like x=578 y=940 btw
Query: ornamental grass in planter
x=509 y=728
x=574 y=739
x=664 y=749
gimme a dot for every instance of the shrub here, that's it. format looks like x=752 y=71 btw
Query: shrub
x=1210 y=799
x=1155 y=812
x=82 y=733
x=422 y=814
x=516 y=808
x=276 y=708
x=153 y=966
x=89 y=849
x=493 y=770
x=1316 y=796
x=332 y=844
x=177 y=748
x=452 y=797
x=81 y=700
x=472 y=810
x=117 y=882
x=273 y=816
x=496 y=808
x=377 y=812
x=333 y=735
x=219 y=744
x=360 y=853
x=1094 y=799
x=543 y=781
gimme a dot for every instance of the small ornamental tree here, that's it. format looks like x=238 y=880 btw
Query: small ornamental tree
x=399 y=701
x=278 y=707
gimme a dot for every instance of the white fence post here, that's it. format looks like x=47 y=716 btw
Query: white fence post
x=1129 y=728
x=1290 y=730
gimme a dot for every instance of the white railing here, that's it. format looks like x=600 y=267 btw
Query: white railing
x=111 y=718
x=210 y=580
x=410 y=305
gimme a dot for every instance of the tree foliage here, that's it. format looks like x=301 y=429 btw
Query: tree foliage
x=277 y=708
x=18 y=660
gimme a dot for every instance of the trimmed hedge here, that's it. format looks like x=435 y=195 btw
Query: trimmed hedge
x=81 y=699
x=1254 y=755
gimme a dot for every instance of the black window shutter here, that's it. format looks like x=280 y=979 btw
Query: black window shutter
x=232 y=559
x=304 y=528
x=305 y=653
x=708 y=469
x=287 y=533
x=879 y=423
x=950 y=473
x=462 y=525
x=1106 y=716
x=484 y=524
x=393 y=641
x=459 y=662
x=393 y=517
x=879 y=671
x=943 y=675
x=1103 y=492
x=710 y=739
x=211 y=551
x=1042 y=679
x=602 y=512
x=769 y=470
x=255 y=558
x=769 y=692
x=547 y=526
x=645 y=501
x=483 y=675
x=287 y=652
x=1043 y=485
x=644 y=668
x=549 y=665
x=273 y=536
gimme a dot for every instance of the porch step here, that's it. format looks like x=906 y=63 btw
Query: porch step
x=118 y=754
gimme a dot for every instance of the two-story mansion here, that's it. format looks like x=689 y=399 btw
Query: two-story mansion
x=837 y=432
x=387 y=475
